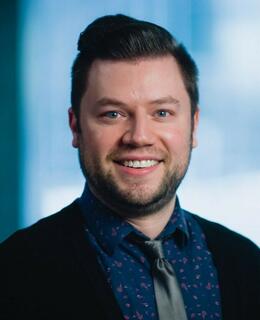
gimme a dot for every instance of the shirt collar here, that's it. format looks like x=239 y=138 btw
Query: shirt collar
x=107 y=227
x=176 y=225
x=110 y=229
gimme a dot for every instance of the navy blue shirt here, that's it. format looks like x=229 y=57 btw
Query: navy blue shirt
x=128 y=270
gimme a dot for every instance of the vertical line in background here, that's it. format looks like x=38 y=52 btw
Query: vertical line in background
x=22 y=6
x=31 y=102
x=9 y=115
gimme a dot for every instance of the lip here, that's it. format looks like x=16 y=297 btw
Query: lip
x=138 y=158
x=134 y=172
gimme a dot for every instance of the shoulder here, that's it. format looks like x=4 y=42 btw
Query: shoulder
x=227 y=244
x=43 y=234
x=222 y=234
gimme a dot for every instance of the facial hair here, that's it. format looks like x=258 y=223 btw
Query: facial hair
x=106 y=189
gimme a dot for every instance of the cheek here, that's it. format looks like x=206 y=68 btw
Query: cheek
x=176 y=140
x=98 y=142
x=169 y=136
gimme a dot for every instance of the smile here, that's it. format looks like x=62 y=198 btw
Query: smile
x=140 y=163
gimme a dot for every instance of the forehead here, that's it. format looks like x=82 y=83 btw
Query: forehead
x=146 y=78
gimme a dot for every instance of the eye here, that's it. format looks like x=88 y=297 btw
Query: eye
x=111 y=114
x=163 y=113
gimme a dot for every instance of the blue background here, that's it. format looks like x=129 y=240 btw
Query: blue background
x=39 y=168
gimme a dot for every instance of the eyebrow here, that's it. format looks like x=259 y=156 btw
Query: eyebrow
x=166 y=100
x=105 y=101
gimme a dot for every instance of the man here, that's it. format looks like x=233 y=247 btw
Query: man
x=134 y=118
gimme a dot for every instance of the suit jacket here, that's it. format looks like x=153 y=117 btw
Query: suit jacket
x=50 y=271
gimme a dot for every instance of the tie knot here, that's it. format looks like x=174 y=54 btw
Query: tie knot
x=153 y=248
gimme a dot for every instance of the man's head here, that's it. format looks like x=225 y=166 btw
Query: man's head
x=120 y=37
x=134 y=113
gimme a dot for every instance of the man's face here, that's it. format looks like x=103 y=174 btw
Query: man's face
x=136 y=134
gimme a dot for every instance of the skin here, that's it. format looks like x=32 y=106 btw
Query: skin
x=135 y=110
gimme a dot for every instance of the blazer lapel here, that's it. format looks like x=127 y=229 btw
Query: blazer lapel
x=225 y=269
x=92 y=272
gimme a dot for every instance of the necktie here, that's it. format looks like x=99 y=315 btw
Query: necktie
x=168 y=295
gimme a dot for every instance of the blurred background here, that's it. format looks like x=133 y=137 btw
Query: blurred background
x=39 y=171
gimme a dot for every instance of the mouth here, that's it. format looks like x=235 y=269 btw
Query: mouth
x=138 y=164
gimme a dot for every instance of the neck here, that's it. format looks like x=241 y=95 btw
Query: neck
x=153 y=225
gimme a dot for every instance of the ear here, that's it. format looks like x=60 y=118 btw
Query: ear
x=195 y=128
x=74 y=128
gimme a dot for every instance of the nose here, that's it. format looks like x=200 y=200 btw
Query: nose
x=139 y=132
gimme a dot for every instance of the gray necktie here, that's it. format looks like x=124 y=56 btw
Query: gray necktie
x=167 y=291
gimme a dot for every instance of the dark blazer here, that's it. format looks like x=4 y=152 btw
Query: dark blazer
x=49 y=271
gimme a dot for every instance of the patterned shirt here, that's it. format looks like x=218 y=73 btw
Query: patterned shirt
x=128 y=270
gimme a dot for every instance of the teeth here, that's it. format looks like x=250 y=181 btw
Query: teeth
x=140 y=164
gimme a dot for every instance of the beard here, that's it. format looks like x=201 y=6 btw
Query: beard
x=133 y=202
